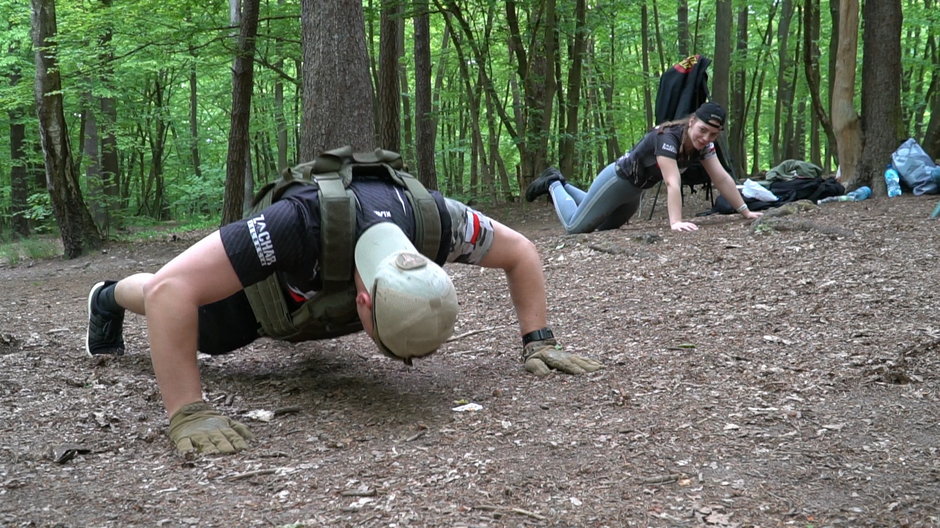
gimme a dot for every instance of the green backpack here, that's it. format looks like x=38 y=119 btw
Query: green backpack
x=332 y=311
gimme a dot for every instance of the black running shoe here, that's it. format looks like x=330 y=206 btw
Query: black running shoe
x=105 y=331
x=540 y=185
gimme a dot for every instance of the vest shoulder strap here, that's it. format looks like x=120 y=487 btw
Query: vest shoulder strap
x=331 y=173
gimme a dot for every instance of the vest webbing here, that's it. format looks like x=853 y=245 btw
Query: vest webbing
x=332 y=311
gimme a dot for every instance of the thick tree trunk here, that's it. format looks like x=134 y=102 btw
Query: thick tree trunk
x=845 y=121
x=881 y=92
x=338 y=100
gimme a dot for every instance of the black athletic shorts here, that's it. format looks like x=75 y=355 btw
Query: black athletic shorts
x=227 y=325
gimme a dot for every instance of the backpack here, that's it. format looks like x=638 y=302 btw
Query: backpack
x=916 y=168
x=332 y=311
x=813 y=189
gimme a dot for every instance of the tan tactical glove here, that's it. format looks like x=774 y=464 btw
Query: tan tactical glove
x=199 y=427
x=542 y=356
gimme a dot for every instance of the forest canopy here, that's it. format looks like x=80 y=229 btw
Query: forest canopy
x=147 y=91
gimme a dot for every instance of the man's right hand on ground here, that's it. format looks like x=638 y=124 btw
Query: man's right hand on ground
x=198 y=427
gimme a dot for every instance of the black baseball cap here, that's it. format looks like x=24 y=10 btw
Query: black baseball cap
x=711 y=113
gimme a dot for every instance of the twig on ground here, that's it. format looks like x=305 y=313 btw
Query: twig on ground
x=472 y=332
x=519 y=511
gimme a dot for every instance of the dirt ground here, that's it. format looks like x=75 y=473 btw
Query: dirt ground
x=786 y=374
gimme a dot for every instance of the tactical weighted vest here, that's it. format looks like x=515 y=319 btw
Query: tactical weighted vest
x=331 y=311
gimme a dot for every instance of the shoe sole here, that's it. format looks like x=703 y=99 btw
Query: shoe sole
x=91 y=297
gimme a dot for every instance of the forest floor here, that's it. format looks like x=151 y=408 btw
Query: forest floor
x=783 y=375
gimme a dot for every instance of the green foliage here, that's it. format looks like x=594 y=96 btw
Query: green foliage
x=39 y=211
x=34 y=248
x=141 y=55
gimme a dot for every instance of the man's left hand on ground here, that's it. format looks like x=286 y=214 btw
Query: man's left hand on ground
x=198 y=427
x=542 y=356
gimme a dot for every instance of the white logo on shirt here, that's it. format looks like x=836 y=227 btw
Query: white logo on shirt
x=258 y=229
x=668 y=148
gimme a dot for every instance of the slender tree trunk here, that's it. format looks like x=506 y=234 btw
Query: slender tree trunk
x=811 y=55
x=568 y=155
x=682 y=28
x=645 y=61
x=19 y=182
x=783 y=104
x=424 y=120
x=388 y=89
x=93 y=178
x=194 y=118
x=237 y=163
x=407 y=114
x=77 y=228
x=737 y=110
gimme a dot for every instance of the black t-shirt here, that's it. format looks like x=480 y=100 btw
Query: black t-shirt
x=285 y=236
x=639 y=165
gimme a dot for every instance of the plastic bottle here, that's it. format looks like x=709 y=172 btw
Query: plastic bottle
x=892 y=182
x=862 y=193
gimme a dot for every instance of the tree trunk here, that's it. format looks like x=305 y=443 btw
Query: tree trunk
x=425 y=126
x=845 y=121
x=568 y=155
x=931 y=142
x=682 y=28
x=737 y=110
x=388 y=90
x=534 y=69
x=93 y=178
x=648 y=110
x=407 y=114
x=194 y=119
x=882 y=128
x=338 y=100
x=721 y=66
x=783 y=104
x=77 y=229
x=820 y=113
x=236 y=164
x=19 y=182
x=279 y=114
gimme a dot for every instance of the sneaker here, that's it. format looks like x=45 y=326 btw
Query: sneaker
x=105 y=331
x=540 y=185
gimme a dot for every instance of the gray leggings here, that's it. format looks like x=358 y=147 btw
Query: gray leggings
x=608 y=203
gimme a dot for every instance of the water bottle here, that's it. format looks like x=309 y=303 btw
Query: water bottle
x=857 y=195
x=862 y=193
x=840 y=198
x=892 y=182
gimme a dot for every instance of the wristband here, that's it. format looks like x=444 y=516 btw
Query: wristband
x=742 y=208
x=538 y=335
